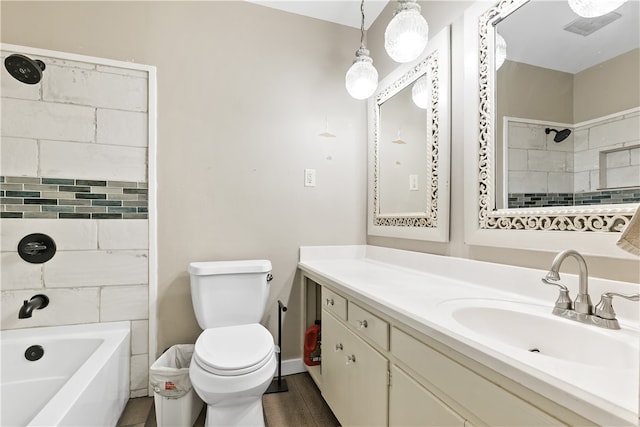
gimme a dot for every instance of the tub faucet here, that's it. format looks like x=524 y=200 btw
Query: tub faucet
x=582 y=303
x=37 y=302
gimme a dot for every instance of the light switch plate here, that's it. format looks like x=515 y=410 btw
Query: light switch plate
x=309 y=177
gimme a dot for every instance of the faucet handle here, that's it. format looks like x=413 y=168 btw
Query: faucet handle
x=564 y=301
x=604 y=308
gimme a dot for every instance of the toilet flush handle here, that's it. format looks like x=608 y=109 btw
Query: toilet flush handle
x=269 y=277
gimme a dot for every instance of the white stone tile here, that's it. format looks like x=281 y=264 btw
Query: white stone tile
x=47 y=120
x=546 y=161
x=78 y=234
x=96 y=268
x=566 y=145
x=139 y=336
x=139 y=372
x=526 y=136
x=594 y=180
x=124 y=303
x=122 y=71
x=623 y=177
x=560 y=182
x=92 y=161
x=617 y=159
x=16 y=273
x=613 y=133
x=99 y=89
x=517 y=159
x=123 y=234
x=118 y=127
x=581 y=182
x=19 y=157
x=66 y=307
x=581 y=140
x=528 y=182
x=634 y=156
x=586 y=160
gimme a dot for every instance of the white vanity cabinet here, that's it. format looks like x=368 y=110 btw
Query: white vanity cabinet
x=410 y=404
x=354 y=376
x=377 y=371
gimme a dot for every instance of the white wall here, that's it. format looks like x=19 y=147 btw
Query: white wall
x=243 y=92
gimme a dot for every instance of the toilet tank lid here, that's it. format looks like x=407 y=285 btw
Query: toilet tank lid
x=229 y=267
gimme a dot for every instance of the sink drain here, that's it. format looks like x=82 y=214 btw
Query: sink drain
x=534 y=350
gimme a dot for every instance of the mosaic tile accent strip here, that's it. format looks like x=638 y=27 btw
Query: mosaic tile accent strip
x=604 y=197
x=60 y=198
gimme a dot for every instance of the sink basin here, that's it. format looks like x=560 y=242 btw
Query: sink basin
x=533 y=329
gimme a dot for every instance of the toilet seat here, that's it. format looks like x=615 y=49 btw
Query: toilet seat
x=234 y=350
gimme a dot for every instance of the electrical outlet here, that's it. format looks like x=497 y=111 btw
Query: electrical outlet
x=309 y=177
x=413 y=182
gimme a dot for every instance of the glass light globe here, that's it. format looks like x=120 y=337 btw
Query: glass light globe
x=361 y=80
x=501 y=50
x=594 y=8
x=421 y=92
x=407 y=34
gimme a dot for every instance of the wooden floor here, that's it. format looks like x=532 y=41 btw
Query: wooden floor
x=301 y=406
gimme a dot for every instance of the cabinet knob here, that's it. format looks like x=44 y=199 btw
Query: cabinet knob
x=351 y=359
x=339 y=347
x=362 y=324
x=330 y=301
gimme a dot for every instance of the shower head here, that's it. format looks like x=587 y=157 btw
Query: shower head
x=561 y=135
x=26 y=70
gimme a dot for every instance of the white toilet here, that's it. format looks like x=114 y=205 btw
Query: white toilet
x=234 y=359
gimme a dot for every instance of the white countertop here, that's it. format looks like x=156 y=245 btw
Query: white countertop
x=412 y=288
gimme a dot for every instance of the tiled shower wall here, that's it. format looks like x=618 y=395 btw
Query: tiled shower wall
x=74 y=154
x=545 y=173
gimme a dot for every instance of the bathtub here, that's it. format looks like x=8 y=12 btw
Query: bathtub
x=82 y=379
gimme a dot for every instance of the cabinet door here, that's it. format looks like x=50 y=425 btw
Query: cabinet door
x=410 y=404
x=354 y=375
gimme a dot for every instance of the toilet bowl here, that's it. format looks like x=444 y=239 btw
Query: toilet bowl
x=234 y=359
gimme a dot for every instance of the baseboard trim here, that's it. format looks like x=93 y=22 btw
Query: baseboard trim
x=292 y=366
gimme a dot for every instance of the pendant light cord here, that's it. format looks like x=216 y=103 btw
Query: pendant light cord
x=362 y=24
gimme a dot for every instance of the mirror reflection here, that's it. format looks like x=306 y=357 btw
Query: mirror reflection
x=567 y=107
x=403 y=181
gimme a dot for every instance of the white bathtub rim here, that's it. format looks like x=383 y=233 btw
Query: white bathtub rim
x=113 y=333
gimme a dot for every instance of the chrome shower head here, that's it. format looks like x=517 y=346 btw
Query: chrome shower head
x=560 y=136
x=24 y=69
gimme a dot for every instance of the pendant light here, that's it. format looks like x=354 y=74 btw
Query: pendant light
x=594 y=8
x=361 y=80
x=407 y=34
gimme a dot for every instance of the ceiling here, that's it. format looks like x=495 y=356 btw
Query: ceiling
x=343 y=12
x=535 y=35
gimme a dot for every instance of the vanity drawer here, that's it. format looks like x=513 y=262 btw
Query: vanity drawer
x=369 y=325
x=334 y=303
x=490 y=403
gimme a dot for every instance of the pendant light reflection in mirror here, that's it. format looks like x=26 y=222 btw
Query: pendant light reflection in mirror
x=361 y=80
x=407 y=34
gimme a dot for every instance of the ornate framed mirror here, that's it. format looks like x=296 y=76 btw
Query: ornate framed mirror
x=531 y=165
x=409 y=148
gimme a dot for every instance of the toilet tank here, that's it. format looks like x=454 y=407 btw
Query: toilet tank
x=226 y=293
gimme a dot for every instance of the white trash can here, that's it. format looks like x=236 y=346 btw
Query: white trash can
x=177 y=404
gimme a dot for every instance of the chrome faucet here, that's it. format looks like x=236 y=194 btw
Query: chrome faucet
x=37 y=302
x=582 y=309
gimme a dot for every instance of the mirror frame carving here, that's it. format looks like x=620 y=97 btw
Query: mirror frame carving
x=434 y=223
x=593 y=228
